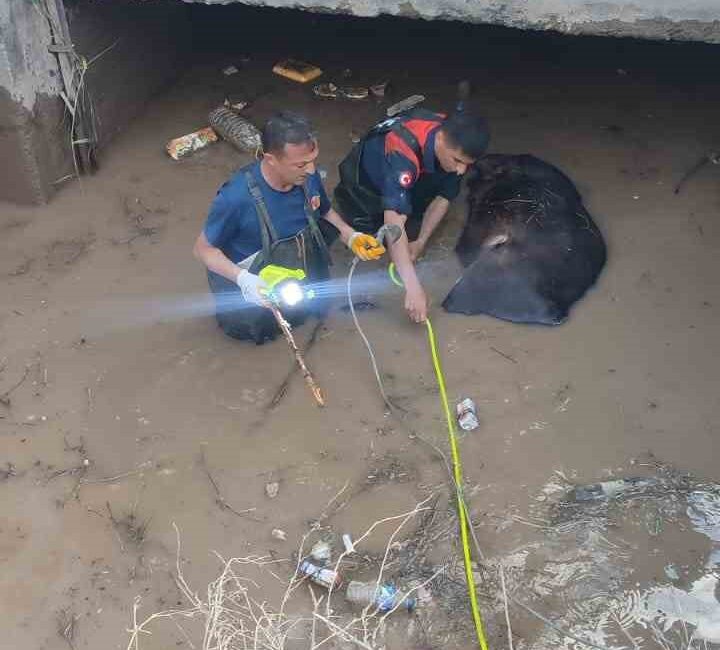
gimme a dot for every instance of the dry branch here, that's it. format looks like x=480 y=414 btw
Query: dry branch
x=220 y=499
x=283 y=387
x=287 y=332
x=234 y=616
x=5 y=397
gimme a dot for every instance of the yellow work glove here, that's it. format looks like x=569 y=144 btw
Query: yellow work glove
x=366 y=247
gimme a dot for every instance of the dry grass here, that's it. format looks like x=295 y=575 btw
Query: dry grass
x=233 y=615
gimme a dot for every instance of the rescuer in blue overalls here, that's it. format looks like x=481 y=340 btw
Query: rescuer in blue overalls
x=272 y=213
x=406 y=171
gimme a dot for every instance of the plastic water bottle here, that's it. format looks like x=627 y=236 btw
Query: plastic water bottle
x=385 y=597
x=612 y=489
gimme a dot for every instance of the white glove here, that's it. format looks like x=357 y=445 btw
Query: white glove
x=250 y=286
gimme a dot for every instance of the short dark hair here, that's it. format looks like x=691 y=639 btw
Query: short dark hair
x=286 y=127
x=467 y=132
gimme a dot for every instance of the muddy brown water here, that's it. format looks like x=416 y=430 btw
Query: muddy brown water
x=123 y=358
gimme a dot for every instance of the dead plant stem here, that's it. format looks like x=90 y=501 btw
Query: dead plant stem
x=505 y=605
x=220 y=499
x=5 y=397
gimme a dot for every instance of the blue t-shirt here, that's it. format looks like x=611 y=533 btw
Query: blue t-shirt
x=392 y=176
x=232 y=224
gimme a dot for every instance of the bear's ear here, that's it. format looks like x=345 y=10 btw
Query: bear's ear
x=481 y=171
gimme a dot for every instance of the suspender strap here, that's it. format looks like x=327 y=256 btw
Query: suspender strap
x=267 y=230
x=312 y=217
x=408 y=137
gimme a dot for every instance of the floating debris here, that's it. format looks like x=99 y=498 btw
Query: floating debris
x=187 y=144
x=405 y=105
x=355 y=93
x=586 y=572
x=671 y=572
x=385 y=597
x=613 y=489
x=321 y=552
x=326 y=90
x=297 y=70
x=466 y=413
x=235 y=106
x=348 y=544
x=238 y=131
x=324 y=577
x=379 y=90
x=272 y=489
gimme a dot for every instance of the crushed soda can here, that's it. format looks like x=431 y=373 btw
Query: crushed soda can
x=466 y=412
x=187 y=144
x=320 y=575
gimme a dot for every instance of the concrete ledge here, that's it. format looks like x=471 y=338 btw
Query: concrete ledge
x=689 y=20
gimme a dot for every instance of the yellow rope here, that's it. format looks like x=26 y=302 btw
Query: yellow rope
x=457 y=476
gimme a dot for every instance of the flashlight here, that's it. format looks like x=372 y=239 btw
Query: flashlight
x=290 y=293
x=284 y=285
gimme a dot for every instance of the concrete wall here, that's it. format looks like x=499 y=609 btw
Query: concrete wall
x=32 y=140
x=148 y=53
x=149 y=45
x=694 y=20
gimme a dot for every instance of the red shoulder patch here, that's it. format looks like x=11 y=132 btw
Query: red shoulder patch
x=315 y=202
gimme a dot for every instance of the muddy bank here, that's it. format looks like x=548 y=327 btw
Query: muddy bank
x=104 y=317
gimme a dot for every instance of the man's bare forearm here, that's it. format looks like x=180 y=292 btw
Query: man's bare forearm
x=400 y=250
x=336 y=220
x=214 y=259
x=434 y=214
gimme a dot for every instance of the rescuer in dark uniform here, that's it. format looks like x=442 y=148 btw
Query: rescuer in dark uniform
x=272 y=212
x=406 y=171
